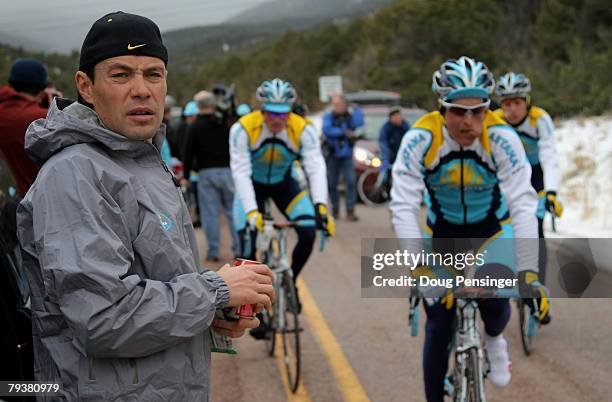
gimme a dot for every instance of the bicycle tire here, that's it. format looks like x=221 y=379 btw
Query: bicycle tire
x=475 y=377
x=527 y=327
x=371 y=198
x=291 y=335
x=270 y=339
x=269 y=258
x=414 y=322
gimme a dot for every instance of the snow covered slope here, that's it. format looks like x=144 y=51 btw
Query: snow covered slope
x=585 y=156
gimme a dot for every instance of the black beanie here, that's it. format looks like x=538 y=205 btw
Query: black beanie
x=28 y=72
x=121 y=34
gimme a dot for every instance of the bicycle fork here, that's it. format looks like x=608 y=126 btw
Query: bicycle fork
x=467 y=341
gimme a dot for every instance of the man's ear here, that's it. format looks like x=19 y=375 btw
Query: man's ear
x=84 y=86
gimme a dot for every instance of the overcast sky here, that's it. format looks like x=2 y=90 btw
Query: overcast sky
x=61 y=25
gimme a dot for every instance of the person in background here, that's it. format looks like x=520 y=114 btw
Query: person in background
x=341 y=127
x=171 y=132
x=390 y=138
x=537 y=133
x=243 y=109
x=207 y=152
x=20 y=105
x=264 y=145
x=190 y=112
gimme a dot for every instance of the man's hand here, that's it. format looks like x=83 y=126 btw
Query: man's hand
x=255 y=220
x=234 y=329
x=534 y=293
x=350 y=134
x=553 y=205
x=324 y=220
x=249 y=284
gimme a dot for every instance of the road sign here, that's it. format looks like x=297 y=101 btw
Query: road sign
x=329 y=85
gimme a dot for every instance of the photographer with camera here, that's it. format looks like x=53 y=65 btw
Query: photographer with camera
x=226 y=104
x=340 y=129
x=207 y=152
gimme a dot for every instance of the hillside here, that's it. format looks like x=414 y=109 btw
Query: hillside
x=563 y=46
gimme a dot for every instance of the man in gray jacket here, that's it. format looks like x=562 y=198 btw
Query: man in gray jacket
x=120 y=307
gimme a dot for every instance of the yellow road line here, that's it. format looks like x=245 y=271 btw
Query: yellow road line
x=301 y=394
x=347 y=380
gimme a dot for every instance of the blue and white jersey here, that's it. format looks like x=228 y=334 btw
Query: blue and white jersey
x=463 y=185
x=537 y=134
x=258 y=155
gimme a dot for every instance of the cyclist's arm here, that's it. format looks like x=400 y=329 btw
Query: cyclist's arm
x=514 y=174
x=408 y=184
x=314 y=165
x=548 y=153
x=385 y=151
x=329 y=130
x=240 y=163
x=83 y=241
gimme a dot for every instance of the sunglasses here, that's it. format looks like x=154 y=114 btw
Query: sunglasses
x=276 y=115
x=464 y=110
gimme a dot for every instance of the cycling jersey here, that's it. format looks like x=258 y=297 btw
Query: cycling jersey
x=463 y=186
x=536 y=132
x=262 y=157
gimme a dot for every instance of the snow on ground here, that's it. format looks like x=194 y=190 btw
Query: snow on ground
x=585 y=157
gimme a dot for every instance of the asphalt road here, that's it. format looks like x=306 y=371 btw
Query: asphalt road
x=357 y=349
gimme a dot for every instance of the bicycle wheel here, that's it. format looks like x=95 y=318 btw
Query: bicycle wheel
x=369 y=193
x=527 y=326
x=291 y=334
x=271 y=317
x=271 y=335
x=475 y=377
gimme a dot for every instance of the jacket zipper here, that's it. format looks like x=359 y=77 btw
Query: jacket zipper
x=160 y=160
x=271 y=159
x=462 y=188
x=177 y=186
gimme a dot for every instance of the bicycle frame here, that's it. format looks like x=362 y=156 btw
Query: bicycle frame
x=283 y=320
x=466 y=339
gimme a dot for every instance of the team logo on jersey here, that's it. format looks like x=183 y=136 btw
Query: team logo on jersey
x=506 y=147
x=165 y=222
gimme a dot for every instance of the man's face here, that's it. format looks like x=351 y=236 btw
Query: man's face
x=128 y=94
x=276 y=122
x=396 y=119
x=338 y=105
x=515 y=109
x=464 y=126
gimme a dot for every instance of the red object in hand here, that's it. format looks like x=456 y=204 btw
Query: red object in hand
x=247 y=310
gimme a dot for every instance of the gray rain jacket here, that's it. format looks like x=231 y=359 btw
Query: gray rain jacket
x=120 y=310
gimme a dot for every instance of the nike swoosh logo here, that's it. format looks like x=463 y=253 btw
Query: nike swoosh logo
x=130 y=47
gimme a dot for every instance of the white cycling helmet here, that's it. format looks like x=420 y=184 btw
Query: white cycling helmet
x=463 y=78
x=513 y=85
x=276 y=96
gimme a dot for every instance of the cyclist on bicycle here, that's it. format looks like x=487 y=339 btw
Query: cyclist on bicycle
x=263 y=147
x=536 y=131
x=473 y=173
